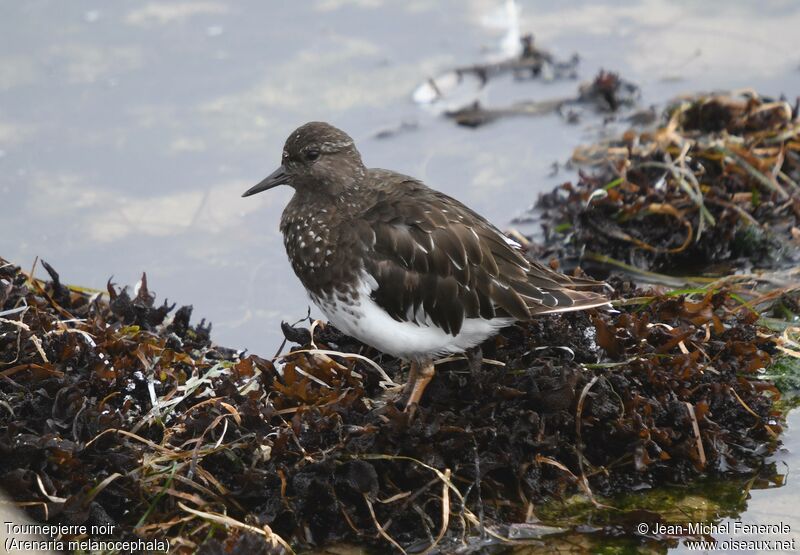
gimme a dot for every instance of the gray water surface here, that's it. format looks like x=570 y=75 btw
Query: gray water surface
x=128 y=130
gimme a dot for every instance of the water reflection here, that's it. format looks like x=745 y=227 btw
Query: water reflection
x=757 y=500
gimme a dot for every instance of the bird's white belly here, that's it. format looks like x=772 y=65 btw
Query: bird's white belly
x=362 y=318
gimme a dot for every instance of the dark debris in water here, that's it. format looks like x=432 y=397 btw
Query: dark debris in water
x=117 y=410
x=456 y=93
x=606 y=94
x=532 y=62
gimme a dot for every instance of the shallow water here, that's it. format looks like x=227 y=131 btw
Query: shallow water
x=771 y=504
x=129 y=130
x=735 y=506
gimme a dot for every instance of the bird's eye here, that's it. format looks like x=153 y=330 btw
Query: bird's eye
x=312 y=154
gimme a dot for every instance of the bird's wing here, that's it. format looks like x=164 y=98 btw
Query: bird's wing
x=436 y=261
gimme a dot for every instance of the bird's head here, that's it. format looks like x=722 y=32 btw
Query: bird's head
x=317 y=157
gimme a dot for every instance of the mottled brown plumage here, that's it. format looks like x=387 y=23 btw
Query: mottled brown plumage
x=367 y=243
x=432 y=252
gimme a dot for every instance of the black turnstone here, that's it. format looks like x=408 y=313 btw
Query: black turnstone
x=400 y=266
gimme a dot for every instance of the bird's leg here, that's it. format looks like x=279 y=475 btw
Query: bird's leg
x=423 y=376
x=412 y=378
x=475 y=360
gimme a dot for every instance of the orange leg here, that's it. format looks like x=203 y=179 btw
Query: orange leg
x=419 y=377
x=412 y=377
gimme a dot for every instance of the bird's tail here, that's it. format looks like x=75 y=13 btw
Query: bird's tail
x=578 y=300
x=549 y=292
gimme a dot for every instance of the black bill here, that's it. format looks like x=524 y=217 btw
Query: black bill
x=278 y=177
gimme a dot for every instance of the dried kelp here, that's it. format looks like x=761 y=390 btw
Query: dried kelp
x=713 y=190
x=118 y=410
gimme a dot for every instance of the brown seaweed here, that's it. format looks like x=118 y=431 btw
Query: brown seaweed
x=118 y=413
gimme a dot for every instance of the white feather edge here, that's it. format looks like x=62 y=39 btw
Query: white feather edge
x=413 y=340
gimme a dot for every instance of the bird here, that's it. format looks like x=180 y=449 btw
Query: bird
x=400 y=266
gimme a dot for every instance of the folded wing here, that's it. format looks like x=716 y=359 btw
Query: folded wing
x=437 y=262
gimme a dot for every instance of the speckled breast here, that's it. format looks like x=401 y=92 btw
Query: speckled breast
x=319 y=251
